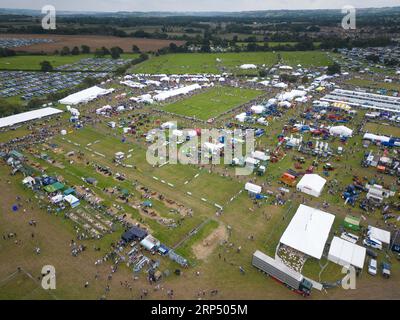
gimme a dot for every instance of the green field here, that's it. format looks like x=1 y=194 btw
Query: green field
x=32 y=62
x=220 y=62
x=382 y=128
x=374 y=84
x=212 y=103
x=305 y=58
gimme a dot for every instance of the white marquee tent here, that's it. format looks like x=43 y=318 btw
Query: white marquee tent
x=346 y=253
x=85 y=95
x=308 y=231
x=28 y=116
x=252 y=188
x=379 y=234
x=311 y=184
x=341 y=131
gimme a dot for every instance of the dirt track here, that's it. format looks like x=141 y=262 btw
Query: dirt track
x=93 y=42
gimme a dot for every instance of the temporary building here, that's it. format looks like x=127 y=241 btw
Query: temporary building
x=28 y=116
x=252 y=188
x=379 y=234
x=346 y=253
x=308 y=231
x=257 y=109
x=150 y=243
x=311 y=184
x=248 y=66
x=375 y=138
x=352 y=222
x=164 y=95
x=134 y=233
x=259 y=155
x=251 y=161
x=85 y=95
x=341 y=131
x=168 y=125
x=54 y=187
x=72 y=200
x=241 y=117
x=56 y=199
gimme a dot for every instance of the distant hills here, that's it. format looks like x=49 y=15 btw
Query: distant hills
x=241 y=14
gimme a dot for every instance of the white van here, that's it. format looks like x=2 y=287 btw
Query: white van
x=372 y=267
x=373 y=243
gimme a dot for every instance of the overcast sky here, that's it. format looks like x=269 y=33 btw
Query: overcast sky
x=192 y=5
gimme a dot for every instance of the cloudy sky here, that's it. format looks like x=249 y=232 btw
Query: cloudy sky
x=193 y=5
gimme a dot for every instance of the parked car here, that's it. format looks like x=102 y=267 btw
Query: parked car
x=372 y=267
x=386 y=267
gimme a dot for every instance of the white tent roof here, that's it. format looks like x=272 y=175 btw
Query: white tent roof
x=251 y=187
x=257 y=109
x=346 y=253
x=71 y=199
x=259 y=155
x=248 y=66
x=27 y=116
x=341 y=131
x=164 y=95
x=379 y=234
x=312 y=182
x=308 y=231
x=85 y=95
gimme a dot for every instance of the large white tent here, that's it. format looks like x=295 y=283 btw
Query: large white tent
x=85 y=95
x=341 y=131
x=28 y=116
x=346 y=253
x=252 y=188
x=164 y=95
x=311 y=184
x=308 y=231
x=379 y=234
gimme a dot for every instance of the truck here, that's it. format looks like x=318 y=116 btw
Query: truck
x=282 y=273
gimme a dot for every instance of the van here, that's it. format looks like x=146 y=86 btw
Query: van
x=372 y=267
x=373 y=243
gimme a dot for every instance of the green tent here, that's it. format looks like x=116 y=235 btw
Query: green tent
x=54 y=187
x=352 y=222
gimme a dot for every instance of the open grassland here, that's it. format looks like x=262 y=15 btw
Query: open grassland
x=213 y=102
x=367 y=83
x=382 y=128
x=219 y=62
x=305 y=58
x=32 y=62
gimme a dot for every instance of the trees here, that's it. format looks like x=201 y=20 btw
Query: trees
x=333 y=69
x=75 y=51
x=135 y=49
x=46 y=66
x=85 y=49
x=116 y=52
x=65 y=51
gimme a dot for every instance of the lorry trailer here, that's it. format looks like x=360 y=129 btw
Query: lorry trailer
x=279 y=271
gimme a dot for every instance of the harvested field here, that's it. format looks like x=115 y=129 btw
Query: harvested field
x=93 y=42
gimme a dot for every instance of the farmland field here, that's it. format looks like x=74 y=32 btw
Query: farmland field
x=32 y=62
x=93 y=42
x=212 y=103
x=219 y=62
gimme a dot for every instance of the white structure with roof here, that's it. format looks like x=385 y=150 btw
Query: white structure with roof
x=85 y=95
x=308 y=231
x=379 y=234
x=252 y=188
x=164 y=95
x=346 y=253
x=341 y=131
x=311 y=184
x=28 y=116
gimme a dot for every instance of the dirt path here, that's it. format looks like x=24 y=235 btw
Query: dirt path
x=205 y=248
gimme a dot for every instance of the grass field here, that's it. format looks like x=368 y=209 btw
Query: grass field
x=32 y=62
x=366 y=83
x=381 y=128
x=212 y=103
x=207 y=63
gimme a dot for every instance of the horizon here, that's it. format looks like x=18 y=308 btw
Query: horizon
x=181 y=6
